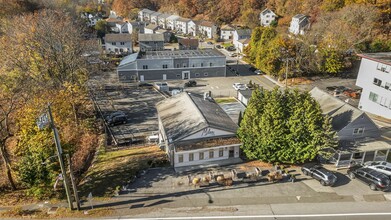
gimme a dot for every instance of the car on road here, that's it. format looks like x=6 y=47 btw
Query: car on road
x=381 y=166
x=231 y=48
x=318 y=172
x=233 y=55
x=210 y=43
x=239 y=86
x=191 y=83
x=371 y=177
x=116 y=118
x=218 y=46
x=258 y=72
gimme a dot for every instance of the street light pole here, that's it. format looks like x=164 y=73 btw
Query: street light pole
x=286 y=74
x=60 y=158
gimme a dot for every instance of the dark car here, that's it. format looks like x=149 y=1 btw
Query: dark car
x=371 y=177
x=218 y=46
x=116 y=118
x=231 y=48
x=316 y=171
x=191 y=83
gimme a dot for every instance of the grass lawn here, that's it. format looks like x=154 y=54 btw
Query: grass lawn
x=225 y=45
x=225 y=100
x=115 y=168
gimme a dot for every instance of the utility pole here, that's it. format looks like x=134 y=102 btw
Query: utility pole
x=75 y=193
x=286 y=74
x=60 y=158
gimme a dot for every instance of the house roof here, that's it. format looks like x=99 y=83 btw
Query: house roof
x=228 y=27
x=206 y=23
x=188 y=42
x=301 y=18
x=183 y=19
x=246 y=93
x=267 y=11
x=152 y=26
x=243 y=32
x=185 y=114
x=150 y=37
x=182 y=54
x=156 y=14
x=128 y=59
x=383 y=57
x=145 y=10
x=164 y=15
x=113 y=20
x=173 y=17
x=118 y=38
x=244 y=41
x=341 y=113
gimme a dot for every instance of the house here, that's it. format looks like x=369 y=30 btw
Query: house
x=112 y=22
x=155 y=17
x=181 y=25
x=244 y=96
x=207 y=29
x=166 y=33
x=266 y=17
x=163 y=20
x=349 y=122
x=195 y=130
x=151 y=42
x=188 y=44
x=241 y=38
x=227 y=32
x=299 y=24
x=151 y=29
x=178 y=64
x=118 y=43
x=145 y=14
x=192 y=28
x=137 y=26
x=374 y=77
x=123 y=27
x=170 y=22
x=91 y=19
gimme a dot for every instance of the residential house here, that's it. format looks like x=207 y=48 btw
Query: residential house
x=266 y=17
x=151 y=42
x=299 y=24
x=112 y=23
x=123 y=27
x=170 y=22
x=227 y=32
x=137 y=26
x=163 y=20
x=172 y=65
x=118 y=43
x=166 y=33
x=192 y=28
x=145 y=14
x=241 y=38
x=195 y=130
x=151 y=29
x=188 y=44
x=207 y=29
x=155 y=18
x=374 y=77
x=181 y=25
x=244 y=96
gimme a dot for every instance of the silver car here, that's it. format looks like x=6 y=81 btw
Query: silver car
x=380 y=166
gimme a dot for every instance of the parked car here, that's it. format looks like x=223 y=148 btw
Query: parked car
x=210 y=43
x=371 y=177
x=258 y=72
x=191 y=83
x=316 y=171
x=116 y=118
x=233 y=55
x=144 y=84
x=381 y=166
x=218 y=46
x=239 y=86
x=231 y=48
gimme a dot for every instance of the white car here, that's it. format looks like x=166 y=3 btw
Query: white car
x=380 y=166
x=239 y=86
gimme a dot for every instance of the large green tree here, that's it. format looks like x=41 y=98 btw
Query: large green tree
x=284 y=127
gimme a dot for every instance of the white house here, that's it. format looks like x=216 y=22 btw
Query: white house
x=192 y=28
x=299 y=24
x=207 y=29
x=241 y=38
x=227 y=32
x=374 y=77
x=266 y=17
x=118 y=43
x=145 y=14
x=244 y=96
x=181 y=25
x=151 y=29
x=123 y=27
x=163 y=20
x=155 y=17
x=195 y=130
x=170 y=21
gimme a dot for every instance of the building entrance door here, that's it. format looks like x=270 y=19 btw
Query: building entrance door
x=164 y=76
x=185 y=74
x=141 y=78
x=231 y=152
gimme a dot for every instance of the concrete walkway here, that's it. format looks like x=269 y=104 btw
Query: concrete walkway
x=210 y=164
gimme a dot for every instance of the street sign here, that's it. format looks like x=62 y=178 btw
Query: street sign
x=42 y=121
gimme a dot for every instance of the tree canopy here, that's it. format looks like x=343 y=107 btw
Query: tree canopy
x=284 y=127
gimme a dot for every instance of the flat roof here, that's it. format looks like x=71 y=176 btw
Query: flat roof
x=182 y=54
x=383 y=57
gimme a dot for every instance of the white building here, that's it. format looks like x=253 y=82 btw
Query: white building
x=163 y=20
x=155 y=17
x=195 y=130
x=299 y=24
x=145 y=14
x=123 y=27
x=151 y=29
x=118 y=43
x=227 y=32
x=241 y=38
x=374 y=77
x=192 y=28
x=207 y=29
x=170 y=21
x=181 y=25
x=266 y=17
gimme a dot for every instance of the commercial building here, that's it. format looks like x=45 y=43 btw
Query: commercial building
x=166 y=65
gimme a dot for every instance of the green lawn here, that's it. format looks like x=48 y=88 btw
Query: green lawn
x=225 y=100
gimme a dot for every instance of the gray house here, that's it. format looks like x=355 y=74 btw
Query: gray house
x=166 y=65
x=350 y=123
x=194 y=130
x=151 y=42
